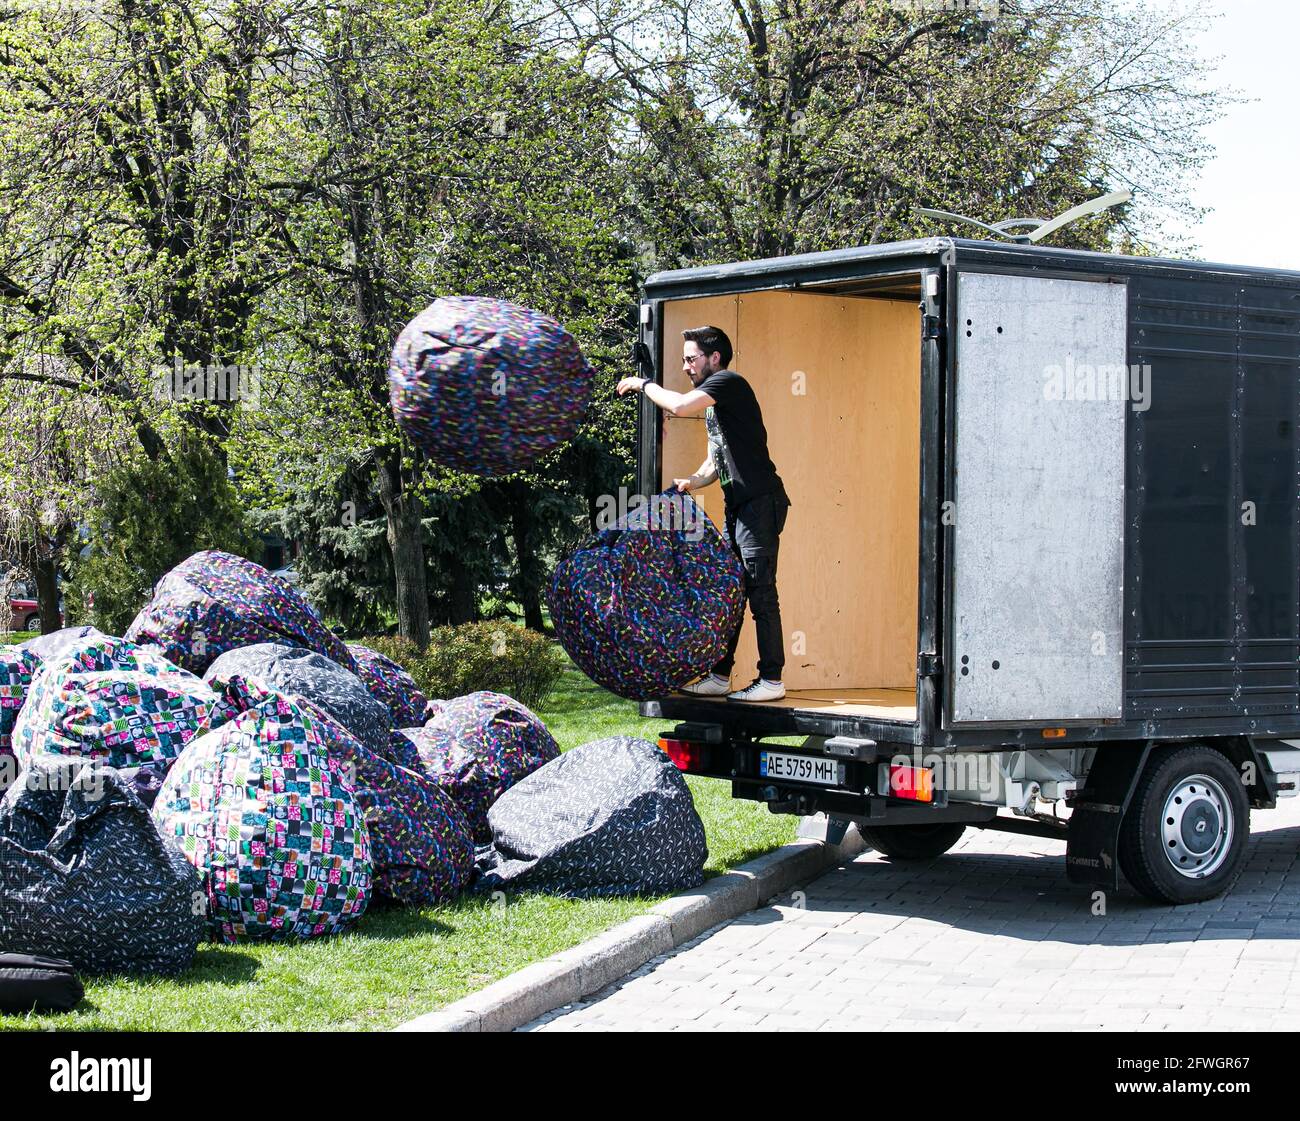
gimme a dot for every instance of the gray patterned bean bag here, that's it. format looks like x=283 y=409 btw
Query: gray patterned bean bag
x=85 y=875
x=612 y=817
x=296 y=672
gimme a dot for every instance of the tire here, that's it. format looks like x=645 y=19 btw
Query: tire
x=32 y=623
x=912 y=842
x=1183 y=838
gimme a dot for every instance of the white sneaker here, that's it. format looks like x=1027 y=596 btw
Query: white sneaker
x=760 y=691
x=710 y=685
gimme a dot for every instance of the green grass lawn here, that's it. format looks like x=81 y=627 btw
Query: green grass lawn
x=401 y=962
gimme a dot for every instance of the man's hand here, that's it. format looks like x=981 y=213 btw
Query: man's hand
x=684 y=486
x=629 y=385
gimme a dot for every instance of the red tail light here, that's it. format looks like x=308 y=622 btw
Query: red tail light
x=916 y=783
x=686 y=756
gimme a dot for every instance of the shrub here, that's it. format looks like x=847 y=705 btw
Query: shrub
x=497 y=656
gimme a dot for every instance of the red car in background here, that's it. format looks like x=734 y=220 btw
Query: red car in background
x=26 y=613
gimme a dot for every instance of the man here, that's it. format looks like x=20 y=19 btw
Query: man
x=754 y=497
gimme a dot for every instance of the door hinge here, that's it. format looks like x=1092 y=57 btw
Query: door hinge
x=931 y=327
x=928 y=665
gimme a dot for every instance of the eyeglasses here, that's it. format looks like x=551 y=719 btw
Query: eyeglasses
x=689 y=360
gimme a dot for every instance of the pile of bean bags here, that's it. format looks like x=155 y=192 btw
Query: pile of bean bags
x=293 y=784
x=651 y=604
x=486 y=386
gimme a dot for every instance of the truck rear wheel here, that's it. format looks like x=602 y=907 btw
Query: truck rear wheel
x=1183 y=838
x=912 y=842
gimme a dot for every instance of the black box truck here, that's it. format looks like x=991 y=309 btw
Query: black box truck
x=1041 y=571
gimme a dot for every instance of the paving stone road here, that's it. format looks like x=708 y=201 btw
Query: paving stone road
x=990 y=936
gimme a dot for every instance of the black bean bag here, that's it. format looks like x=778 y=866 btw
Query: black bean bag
x=487 y=386
x=478 y=746
x=85 y=875
x=296 y=672
x=613 y=817
x=215 y=601
x=650 y=605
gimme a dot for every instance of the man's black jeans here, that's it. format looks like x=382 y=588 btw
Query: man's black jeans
x=754 y=533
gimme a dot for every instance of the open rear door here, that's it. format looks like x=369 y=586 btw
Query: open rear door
x=1036 y=516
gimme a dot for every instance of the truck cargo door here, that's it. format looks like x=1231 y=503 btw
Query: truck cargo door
x=1035 y=508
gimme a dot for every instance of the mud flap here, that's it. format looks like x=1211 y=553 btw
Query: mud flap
x=1092 y=844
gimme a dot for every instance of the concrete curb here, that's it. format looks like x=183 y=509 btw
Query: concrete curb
x=587 y=968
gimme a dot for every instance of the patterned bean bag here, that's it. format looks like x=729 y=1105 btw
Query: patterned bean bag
x=613 y=817
x=85 y=876
x=46 y=646
x=266 y=810
x=388 y=682
x=17 y=668
x=486 y=386
x=478 y=747
x=122 y=717
x=296 y=672
x=651 y=604
x=214 y=602
x=420 y=843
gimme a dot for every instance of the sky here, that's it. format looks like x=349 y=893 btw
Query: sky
x=1253 y=182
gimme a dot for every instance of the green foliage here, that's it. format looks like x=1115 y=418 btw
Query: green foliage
x=494 y=656
x=150 y=515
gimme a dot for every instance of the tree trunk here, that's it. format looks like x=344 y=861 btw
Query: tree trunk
x=529 y=567
x=45 y=572
x=406 y=541
x=464 y=596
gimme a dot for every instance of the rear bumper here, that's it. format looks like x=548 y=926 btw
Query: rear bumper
x=856 y=796
x=770 y=720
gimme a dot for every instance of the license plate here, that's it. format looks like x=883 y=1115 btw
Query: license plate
x=800 y=768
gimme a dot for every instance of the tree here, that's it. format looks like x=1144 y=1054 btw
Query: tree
x=52 y=444
x=425 y=149
x=763 y=127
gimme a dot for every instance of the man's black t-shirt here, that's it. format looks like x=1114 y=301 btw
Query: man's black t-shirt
x=737 y=439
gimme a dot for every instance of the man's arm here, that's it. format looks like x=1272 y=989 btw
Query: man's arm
x=678 y=404
x=705 y=476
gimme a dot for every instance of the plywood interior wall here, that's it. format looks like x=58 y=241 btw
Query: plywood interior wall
x=838 y=379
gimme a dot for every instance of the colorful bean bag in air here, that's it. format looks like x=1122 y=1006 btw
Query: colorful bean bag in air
x=262 y=806
x=420 y=843
x=650 y=605
x=388 y=682
x=487 y=386
x=214 y=602
x=296 y=672
x=86 y=877
x=477 y=747
x=613 y=817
